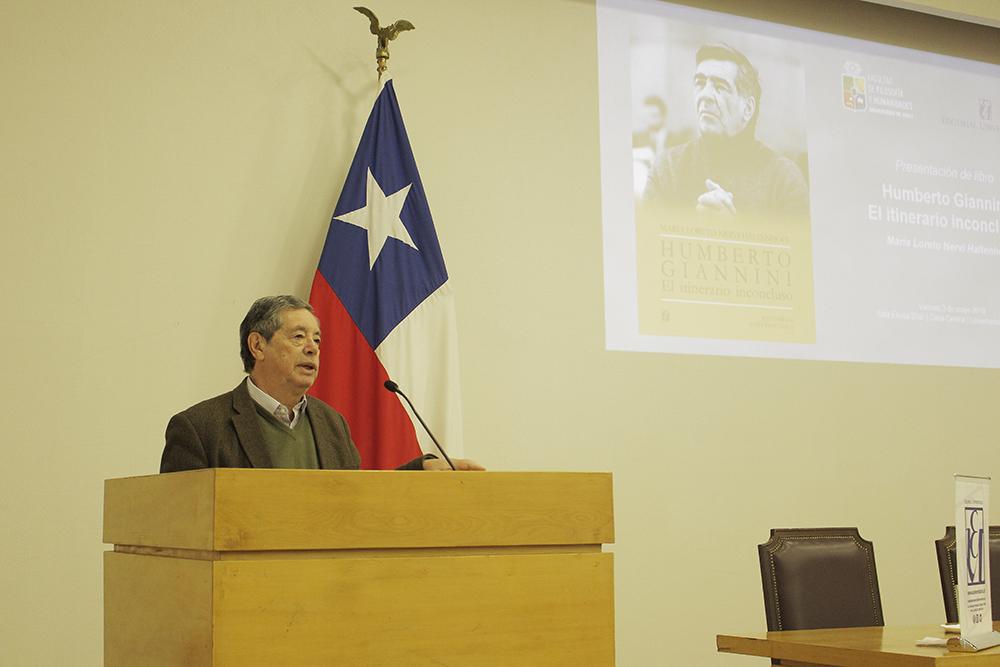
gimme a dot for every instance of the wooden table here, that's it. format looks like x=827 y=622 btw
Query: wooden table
x=855 y=647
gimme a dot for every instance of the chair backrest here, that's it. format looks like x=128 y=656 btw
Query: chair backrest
x=948 y=572
x=819 y=578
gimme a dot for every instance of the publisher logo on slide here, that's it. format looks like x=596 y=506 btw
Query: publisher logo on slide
x=982 y=120
x=986 y=109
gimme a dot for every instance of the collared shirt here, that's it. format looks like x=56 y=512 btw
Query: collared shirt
x=273 y=407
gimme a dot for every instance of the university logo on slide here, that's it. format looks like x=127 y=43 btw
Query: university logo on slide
x=854 y=92
x=975 y=540
x=854 y=84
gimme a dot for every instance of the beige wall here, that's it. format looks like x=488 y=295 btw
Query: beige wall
x=979 y=11
x=165 y=162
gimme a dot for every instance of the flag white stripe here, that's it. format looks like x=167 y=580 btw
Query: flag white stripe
x=421 y=355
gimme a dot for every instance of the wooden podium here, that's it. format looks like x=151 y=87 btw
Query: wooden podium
x=313 y=567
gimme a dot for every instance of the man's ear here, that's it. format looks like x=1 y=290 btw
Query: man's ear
x=749 y=107
x=256 y=344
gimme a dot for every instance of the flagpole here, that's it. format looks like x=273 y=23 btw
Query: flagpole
x=385 y=34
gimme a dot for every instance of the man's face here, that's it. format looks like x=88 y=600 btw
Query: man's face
x=722 y=110
x=286 y=366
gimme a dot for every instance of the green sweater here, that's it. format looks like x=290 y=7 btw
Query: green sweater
x=288 y=447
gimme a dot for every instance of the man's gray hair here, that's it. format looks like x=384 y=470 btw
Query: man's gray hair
x=264 y=317
x=747 y=76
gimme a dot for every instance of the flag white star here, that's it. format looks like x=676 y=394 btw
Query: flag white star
x=380 y=217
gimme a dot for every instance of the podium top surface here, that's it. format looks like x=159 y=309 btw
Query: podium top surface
x=229 y=509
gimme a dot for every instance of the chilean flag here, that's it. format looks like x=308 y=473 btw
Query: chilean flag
x=385 y=307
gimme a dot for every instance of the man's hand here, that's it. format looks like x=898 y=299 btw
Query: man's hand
x=716 y=199
x=460 y=464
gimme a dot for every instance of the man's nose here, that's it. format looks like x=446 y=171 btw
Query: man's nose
x=311 y=348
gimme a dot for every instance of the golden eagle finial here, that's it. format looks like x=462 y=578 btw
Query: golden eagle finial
x=384 y=34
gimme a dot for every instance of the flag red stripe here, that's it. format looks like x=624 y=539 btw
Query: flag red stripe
x=350 y=379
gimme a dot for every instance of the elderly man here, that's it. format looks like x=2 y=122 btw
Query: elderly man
x=725 y=171
x=267 y=421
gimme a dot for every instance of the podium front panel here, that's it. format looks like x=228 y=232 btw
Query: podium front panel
x=282 y=567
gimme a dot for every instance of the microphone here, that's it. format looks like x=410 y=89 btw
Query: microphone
x=394 y=388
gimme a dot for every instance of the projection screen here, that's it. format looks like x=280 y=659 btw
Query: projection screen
x=771 y=191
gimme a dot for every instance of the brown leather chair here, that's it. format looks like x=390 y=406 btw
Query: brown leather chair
x=948 y=571
x=819 y=578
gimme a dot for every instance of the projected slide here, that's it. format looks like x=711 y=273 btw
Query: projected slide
x=777 y=192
